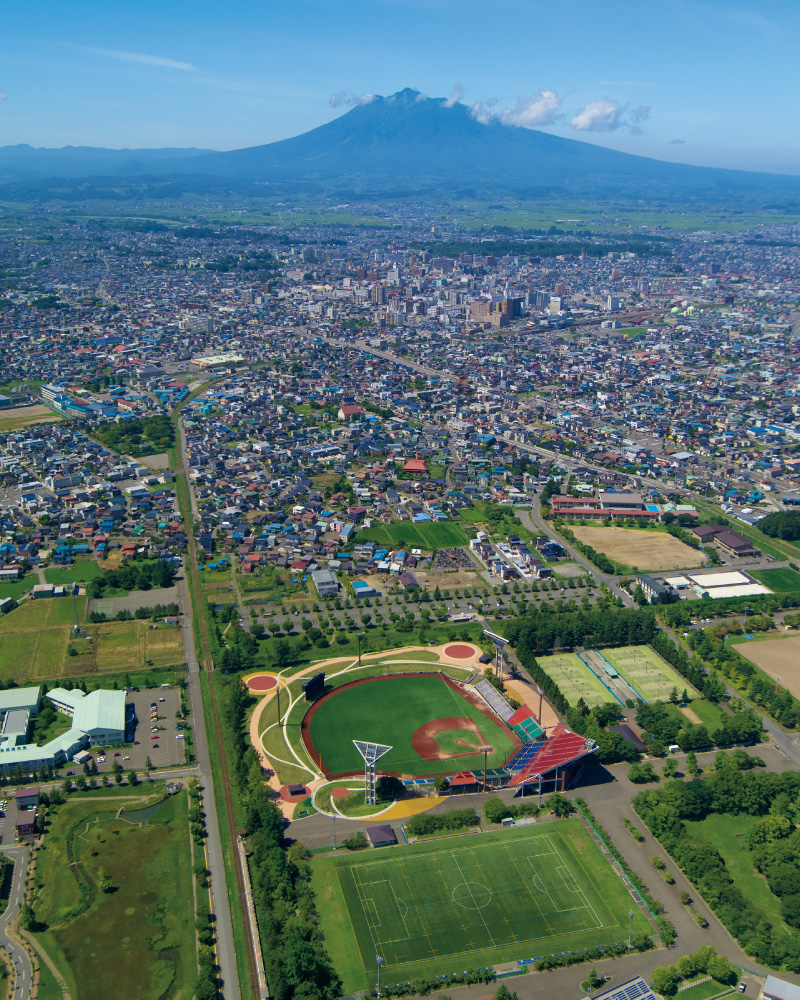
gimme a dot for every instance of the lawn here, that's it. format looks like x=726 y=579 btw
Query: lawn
x=146 y=922
x=728 y=833
x=575 y=679
x=646 y=672
x=16 y=588
x=367 y=712
x=82 y=571
x=478 y=901
x=781 y=580
x=427 y=536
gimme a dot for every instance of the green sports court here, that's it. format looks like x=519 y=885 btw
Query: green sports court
x=469 y=902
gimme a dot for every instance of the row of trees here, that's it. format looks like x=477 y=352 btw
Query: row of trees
x=140 y=614
x=667 y=809
x=705 y=961
x=295 y=960
x=137 y=574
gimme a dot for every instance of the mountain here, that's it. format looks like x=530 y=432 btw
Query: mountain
x=24 y=162
x=411 y=143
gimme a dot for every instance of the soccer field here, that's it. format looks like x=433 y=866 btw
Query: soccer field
x=509 y=895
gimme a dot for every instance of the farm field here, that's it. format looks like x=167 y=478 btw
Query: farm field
x=433 y=535
x=640 y=549
x=35 y=639
x=575 y=679
x=146 y=922
x=651 y=676
x=777 y=658
x=436 y=733
x=479 y=900
x=780 y=580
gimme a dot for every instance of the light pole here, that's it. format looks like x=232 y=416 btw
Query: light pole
x=630 y=933
x=379 y=960
x=360 y=636
x=485 y=750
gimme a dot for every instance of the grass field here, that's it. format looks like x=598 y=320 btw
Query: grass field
x=649 y=675
x=640 y=549
x=477 y=901
x=777 y=658
x=728 y=834
x=16 y=588
x=146 y=923
x=82 y=571
x=575 y=679
x=781 y=580
x=369 y=712
x=436 y=535
x=35 y=639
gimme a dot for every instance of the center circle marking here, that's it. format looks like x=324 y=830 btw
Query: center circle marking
x=472 y=895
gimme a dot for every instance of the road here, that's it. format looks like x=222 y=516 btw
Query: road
x=534 y=521
x=19 y=956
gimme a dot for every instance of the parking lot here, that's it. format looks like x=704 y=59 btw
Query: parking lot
x=164 y=751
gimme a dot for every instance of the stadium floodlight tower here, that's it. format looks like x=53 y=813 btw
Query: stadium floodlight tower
x=499 y=644
x=372 y=753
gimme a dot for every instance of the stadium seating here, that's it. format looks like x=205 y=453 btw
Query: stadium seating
x=525 y=755
x=494 y=700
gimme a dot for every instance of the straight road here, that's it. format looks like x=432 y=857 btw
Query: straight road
x=22 y=964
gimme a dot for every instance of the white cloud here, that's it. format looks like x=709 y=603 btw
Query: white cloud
x=482 y=112
x=141 y=57
x=598 y=116
x=344 y=99
x=3 y=95
x=540 y=108
x=457 y=94
x=608 y=116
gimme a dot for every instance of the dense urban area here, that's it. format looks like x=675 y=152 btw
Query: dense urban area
x=550 y=479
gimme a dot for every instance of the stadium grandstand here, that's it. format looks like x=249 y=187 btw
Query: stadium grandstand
x=553 y=761
x=494 y=700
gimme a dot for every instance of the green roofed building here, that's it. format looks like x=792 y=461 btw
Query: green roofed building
x=98 y=719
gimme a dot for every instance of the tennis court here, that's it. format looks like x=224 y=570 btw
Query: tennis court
x=575 y=679
x=479 y=902
x=652 y=677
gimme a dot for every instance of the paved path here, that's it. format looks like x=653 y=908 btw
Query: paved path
x=19 y=956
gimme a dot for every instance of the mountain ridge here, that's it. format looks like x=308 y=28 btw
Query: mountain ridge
x=417 y=143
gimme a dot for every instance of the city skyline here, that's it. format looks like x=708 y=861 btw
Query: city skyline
x=706 y=83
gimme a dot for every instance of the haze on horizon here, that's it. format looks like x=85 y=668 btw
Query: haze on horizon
x=705 y=82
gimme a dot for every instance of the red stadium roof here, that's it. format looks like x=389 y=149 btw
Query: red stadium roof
x=562 y=748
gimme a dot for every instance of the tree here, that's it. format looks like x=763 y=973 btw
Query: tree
x=664 y=981
x=504 y=993
x=133 y=778
x=104 y=881
x=559 y=805
x=720 y=968
x=388 y=788
x=691 y=763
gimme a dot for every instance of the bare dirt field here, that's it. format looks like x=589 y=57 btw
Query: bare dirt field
x=159 y=461
x=17 y=417
x=447 y=581
x=640 y=549
x=776 y=657
x=567 y=570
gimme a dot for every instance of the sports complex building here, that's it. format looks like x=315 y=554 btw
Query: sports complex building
x=98 y=719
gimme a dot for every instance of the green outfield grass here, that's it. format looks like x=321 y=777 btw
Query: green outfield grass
x=575 y=679
x=782 y=580
x=469 y=902
x=435 y=535
x=372 y=712
x=649 y=675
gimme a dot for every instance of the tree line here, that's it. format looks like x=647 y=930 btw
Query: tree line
x=137 y=574
x=775 y=847
x=295 y=961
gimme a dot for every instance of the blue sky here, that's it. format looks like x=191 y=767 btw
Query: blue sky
x=698 y=81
